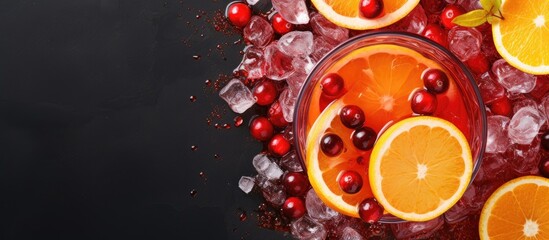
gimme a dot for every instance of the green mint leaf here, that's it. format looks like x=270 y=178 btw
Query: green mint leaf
x=490 y=19
x=488 y=5
x=472 y=19
x=497 y=5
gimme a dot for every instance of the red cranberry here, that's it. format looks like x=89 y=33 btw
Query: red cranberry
x=448 y=14
x=265 y=92
x=435 y=80
x=332 y=84
x=293 y=208
x=296 y=184
x=478 y=64
x=433 y=6
x=331 y=144
x=239 y=14
x=371 y=8
x=370 y=211
x=261 y=128
x=545 y=141
x=544 y=167
x=436 y=33
x=276 y=116
x=279 y=145
x=424 y=102
x=501 y=107
x=364 y=138
x=280 y=25
x=350 y=181
x=352 y=116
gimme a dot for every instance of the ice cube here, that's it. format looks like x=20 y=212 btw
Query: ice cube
x=417 y=230
x=464 y=42
x=303 y=64
x=296 y=43
x=307 y=228
x=321 y=46
x=253 y=63
x=514 y=80
x=414 y=22
x=279 y=65
x=261 y=162
x=287 y=102
x=470 y=5
x=323 y=27
x=490 y=90
x=246 y=184
x=294 y=11
x=524 y=101
x=497 y=140
x=524 y=159
x=289 y=133
x=349 y=233
x=237 y=95
x=525 y=125
x=296 y=82
x=273 y=172
x=258 y=32
x=291 y=162
x=544 y=107
x=316 y=209
x=274 y=193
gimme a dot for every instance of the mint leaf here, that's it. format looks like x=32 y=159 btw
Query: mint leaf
x=497 y=5
x=488 y=5
x=472 y=19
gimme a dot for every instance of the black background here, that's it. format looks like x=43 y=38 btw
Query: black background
x=96 y=125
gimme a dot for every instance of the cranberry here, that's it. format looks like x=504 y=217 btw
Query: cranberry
x=261 y=128
x=332 y=84
x=296 y=184
x=448 y=14
x=436 y=33
x=293 y=208
x=331 y=144
x=433 y=6
x=279 y=145
x=544 y=167
x=364 y=138
x=545 y=141
x=350 y=181
x=239 y=14
x=370 y=211
x=371 y=8
x=435 y=80
x=478 y=64
x=265 y=92
x=424 y=102
x=280 y=25
x=352 y=116
x=501 y=107
x=276 y=116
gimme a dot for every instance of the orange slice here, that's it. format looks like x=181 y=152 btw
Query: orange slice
x=519 y=209
x=521 y=37
x=345 y=13
x=379 y=79
x=420 y=167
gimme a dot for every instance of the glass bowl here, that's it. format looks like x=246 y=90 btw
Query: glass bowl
x=465 y=83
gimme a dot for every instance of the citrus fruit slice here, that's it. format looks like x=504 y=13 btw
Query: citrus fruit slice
x=346 y=13
x=521 y=37
x=379 y=80
x=420 y=167
x=519 y=209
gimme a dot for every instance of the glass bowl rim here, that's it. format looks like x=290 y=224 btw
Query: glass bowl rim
x=433 y=44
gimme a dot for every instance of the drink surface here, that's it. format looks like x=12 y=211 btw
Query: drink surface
x=380 y=80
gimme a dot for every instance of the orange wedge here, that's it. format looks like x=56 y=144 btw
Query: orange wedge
x=522 y=36
x=519 y=209
x=345 y=13
x=379 y=79
x=420 y=167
